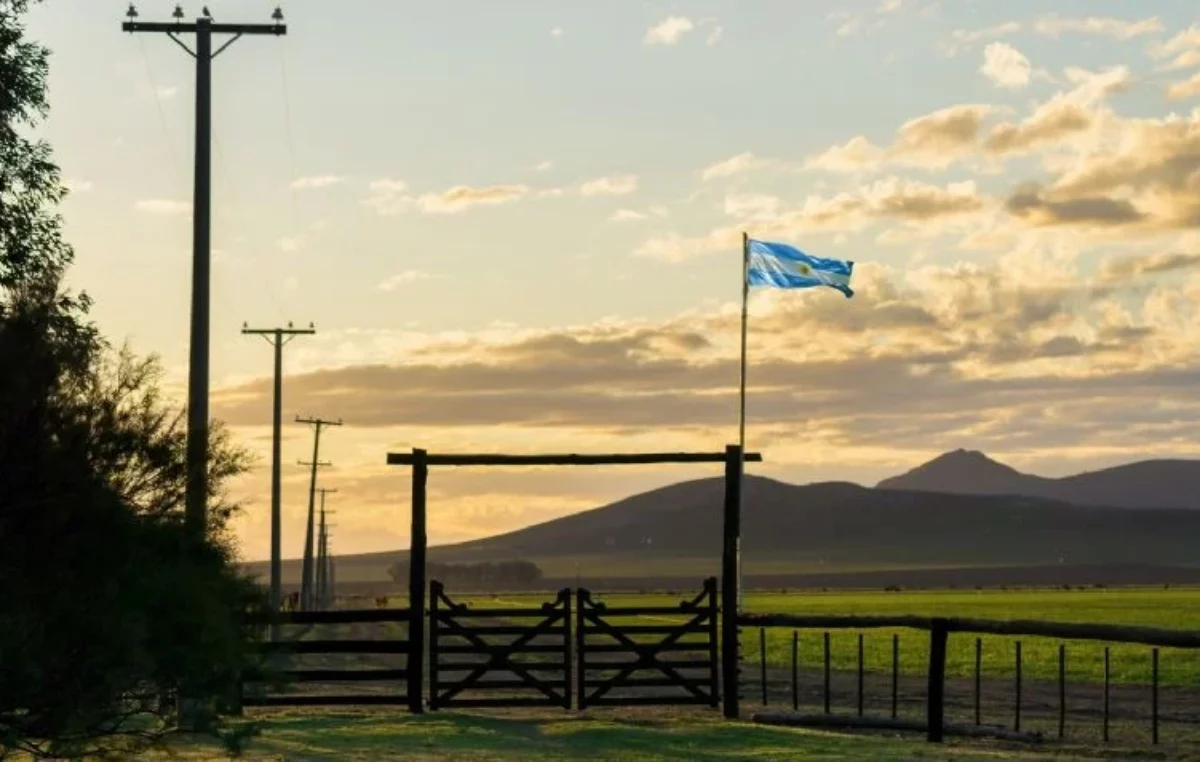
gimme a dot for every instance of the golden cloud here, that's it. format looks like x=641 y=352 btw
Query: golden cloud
x=462 y=197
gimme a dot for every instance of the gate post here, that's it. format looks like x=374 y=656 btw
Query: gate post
x=435 y=592
x=416 y=584
x=936 y=710
x=580 y=649
x=729 y=584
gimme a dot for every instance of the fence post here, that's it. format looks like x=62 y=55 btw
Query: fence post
x=827 y=686
x=581 y=596
x=710 y=589
x=564 y=600
x=762 y=658
x=978 y=681
x=936 y=713
x=860 y=674
x=1062 y=690
x=416 y=584
x=795 y=671
x=1106 y=684
x=729 y=590
x=1017 y=685
x=1154 y=696
x=895 y=673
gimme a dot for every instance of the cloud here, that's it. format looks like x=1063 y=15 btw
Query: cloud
x=1145 y=177
x=856 y=154
x=1188 y=88
x=1120 y=29
x=627 y=215
x=938 y=139
x=615 y=185
x=932 y=141
x=714 y=35
x=1006 y=66
x=551 y=193
x=891 y=198
x=316 y=181
x=1126 y=268
x=752 y=206
x=668 y=31
x=462 y=197
x=1053 y=25
x=889 y=6
x=963 y=39
x=556 y=32
x=543 y=166
x=294 y=243
x=1024 y=353
x=1031 y=204
x=75 y=185
x=395 y=282
x=1052 y=121
x=734 y=165
x=165 y=92
x=388 y=196
x=163 y=206
x=1185 y=46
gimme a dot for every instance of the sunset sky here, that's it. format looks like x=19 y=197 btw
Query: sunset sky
x=517 y=228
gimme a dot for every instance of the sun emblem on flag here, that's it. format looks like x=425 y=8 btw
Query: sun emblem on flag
x=804 y=269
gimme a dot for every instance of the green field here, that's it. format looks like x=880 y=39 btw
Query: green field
x=552 y=737
x=1131 y=664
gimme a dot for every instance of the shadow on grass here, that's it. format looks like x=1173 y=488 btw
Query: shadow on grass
x=381 y=735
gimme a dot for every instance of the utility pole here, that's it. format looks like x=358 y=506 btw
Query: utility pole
x=306 y=582
x=197 y=423
x=327 y=583
x=332 y=576
x=277 y=337
x=321 y=572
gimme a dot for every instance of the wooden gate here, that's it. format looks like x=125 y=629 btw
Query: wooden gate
x=609 y=654
x=279 y=682
x=528 y=661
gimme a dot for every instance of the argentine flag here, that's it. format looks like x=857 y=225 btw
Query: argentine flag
x=779 y=265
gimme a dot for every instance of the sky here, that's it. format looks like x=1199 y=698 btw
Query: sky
x=516 y=227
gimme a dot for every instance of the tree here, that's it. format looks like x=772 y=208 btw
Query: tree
x=106 y=600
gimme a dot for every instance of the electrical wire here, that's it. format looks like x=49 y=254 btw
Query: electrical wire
x=287 y=123
x=162 y=117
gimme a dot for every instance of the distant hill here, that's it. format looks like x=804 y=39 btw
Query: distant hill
x=676 y=531
x=1146 y=484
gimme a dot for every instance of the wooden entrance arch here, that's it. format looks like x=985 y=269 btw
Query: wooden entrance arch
x=420 y=461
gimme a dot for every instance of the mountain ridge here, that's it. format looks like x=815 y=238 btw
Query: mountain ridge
x=1158 y=483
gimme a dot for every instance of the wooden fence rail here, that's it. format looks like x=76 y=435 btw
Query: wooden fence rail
x=940 y=628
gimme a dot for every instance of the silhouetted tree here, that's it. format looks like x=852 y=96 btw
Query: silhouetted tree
x=105 y=601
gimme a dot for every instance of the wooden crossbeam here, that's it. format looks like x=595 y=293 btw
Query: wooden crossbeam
x=616 y=459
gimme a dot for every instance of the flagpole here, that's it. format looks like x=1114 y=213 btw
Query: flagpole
x=742 y=400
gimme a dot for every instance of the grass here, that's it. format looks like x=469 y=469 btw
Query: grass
x=1130 y=664
x=530 y=737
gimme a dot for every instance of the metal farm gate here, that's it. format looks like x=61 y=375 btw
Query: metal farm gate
x=610 y=653
x=513 y=662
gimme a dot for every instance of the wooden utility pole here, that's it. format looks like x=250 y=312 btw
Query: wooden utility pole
x=327 y=584
x=277 y=337
x=197 y=423
x=322 y=576
x=306 y=581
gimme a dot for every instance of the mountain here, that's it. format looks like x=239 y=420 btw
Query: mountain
x=1146 y=484
x=675 y=532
